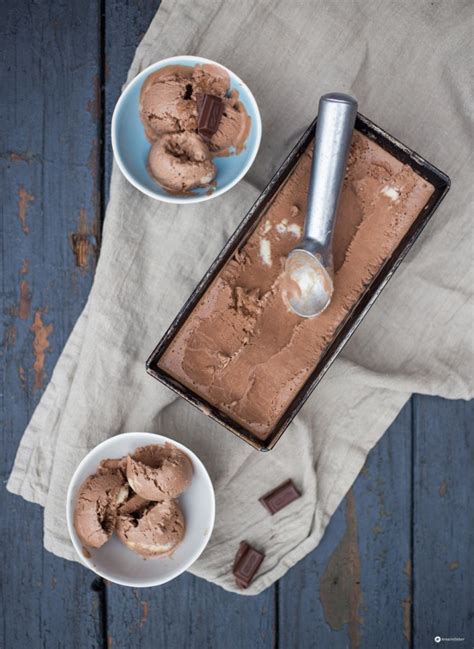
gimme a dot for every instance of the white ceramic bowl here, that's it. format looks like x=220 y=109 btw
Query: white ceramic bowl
x=131 y=147
x=114 y=561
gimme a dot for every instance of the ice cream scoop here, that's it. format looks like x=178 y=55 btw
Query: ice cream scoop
x=155 y=472
x=154 y=529
x=308 y=278
x=99 y=498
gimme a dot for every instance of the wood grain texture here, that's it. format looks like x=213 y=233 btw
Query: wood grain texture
x=49 y=142
x=443 y=559
x=191 y=613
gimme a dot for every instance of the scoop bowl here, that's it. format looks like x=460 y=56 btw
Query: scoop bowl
x=114 y=561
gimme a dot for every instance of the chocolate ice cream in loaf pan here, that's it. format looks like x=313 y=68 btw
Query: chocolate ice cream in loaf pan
x=235 y=350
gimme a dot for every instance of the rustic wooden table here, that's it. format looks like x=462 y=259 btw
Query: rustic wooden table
x=395 y=567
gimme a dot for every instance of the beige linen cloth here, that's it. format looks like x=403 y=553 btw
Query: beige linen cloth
x=406 y=62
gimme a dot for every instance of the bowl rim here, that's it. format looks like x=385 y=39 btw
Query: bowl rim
x=183 y=200
x=157 y=439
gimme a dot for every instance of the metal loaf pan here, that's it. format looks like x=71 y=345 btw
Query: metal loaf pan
x=430 y=173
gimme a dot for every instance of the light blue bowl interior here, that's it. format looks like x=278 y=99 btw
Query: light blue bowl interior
x=132 y=146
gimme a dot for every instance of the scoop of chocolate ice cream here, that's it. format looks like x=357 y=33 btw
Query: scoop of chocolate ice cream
x=99 y=497
x=166 y=104
x=154 y=529
x=180 y=162
x=155 y=472
x=114 y=463
x=210 y=79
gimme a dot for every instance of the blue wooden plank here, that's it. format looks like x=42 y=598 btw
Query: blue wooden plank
x=353 y=590
x=383 y=494
x=443 y=568
x=125 y=25
x=49 y=147
x=191 y=613
x=301 y=620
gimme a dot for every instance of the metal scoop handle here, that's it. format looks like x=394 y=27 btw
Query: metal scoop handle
x=336 y=118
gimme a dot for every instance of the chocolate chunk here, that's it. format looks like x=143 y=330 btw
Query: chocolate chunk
x=246 y=563
x=210 y=109
x=280 y=497
x=243 y=547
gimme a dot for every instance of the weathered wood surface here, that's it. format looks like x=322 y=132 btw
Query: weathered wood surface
x=443 y=515
x=395 y=567
x=49 y=194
